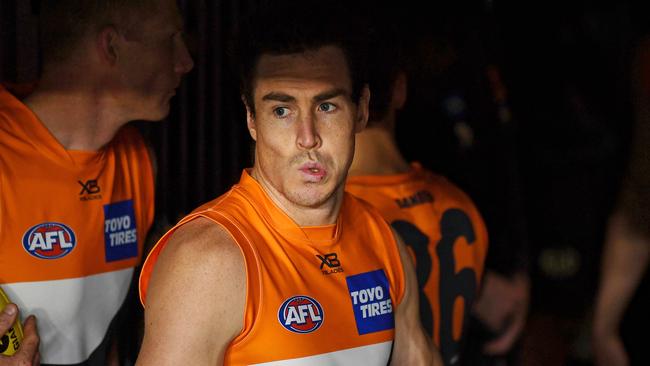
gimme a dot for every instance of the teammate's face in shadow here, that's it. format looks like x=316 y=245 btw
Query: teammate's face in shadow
x=304 y=125
x=152 y=60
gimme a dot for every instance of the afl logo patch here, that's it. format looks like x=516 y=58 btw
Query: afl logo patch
x=49 y=240
x=301 y=314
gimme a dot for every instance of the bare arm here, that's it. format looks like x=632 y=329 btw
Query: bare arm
x=412 y=346
x=196 y=298
x=503 y=307
x=625 y=259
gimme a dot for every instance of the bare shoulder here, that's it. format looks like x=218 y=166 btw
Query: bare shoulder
x=205 y=253
x=196 y=297
x=204 y=239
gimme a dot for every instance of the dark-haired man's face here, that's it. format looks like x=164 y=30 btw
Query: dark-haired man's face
x=153 y=60
x=304 y=125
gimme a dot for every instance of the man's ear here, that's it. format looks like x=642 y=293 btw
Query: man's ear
x=107 y=44
x=362 y=109
x=250 y=119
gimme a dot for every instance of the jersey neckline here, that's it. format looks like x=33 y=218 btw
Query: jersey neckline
x=24 y=121
x=322 y=235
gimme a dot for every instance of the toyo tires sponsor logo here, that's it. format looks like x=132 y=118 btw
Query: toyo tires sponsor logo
x=371 y=302
x=301 y=314
x=49 y=240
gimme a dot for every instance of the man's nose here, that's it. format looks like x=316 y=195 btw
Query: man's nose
x=183 y=63
x=307 y=137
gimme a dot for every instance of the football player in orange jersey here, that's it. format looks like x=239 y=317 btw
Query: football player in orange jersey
x=286 y=268
x=438 y=222
x=77 y=195
x=415 y=200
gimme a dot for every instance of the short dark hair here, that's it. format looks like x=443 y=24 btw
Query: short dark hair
x=282 y=27
x=387 y=48
x=386 y=54
x=63 y=23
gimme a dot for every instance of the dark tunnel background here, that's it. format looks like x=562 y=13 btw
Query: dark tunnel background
x=527 y=107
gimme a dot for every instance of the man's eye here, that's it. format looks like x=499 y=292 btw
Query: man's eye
x=326 y=107
x=281 y=112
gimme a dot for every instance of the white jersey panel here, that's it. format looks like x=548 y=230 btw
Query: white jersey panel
x=375 y=354
x=61 y=322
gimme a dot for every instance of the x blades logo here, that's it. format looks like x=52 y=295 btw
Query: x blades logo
x=332 y=262
x=89 y=190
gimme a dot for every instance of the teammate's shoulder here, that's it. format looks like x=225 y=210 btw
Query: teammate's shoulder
x=441 y=186
x=357 y=206
x=355 y=202
x=434 y=179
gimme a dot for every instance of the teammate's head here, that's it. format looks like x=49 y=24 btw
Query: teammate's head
x=65 y=23
x=306 y=98
x=292 y=27
x=386 y=77
x=134 y=48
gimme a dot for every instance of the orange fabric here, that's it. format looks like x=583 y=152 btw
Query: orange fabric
x=282 y=262
x=434 y=218
x=41 y=182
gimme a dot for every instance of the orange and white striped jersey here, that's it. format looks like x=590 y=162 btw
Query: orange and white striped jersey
x=72 y=226
x=321 y=295
x=446 y=235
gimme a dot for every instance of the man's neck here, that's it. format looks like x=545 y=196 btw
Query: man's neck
x=77 y=115
x=376 y=153
x=325 y=214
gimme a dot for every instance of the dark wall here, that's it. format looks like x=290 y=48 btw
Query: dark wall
x=566 y=74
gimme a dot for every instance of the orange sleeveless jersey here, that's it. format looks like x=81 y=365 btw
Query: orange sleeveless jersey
x=72 y=226
x=315 y=295
x=444 y=231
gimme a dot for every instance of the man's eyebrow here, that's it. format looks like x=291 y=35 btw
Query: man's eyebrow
x=330 y=94
x=278 y=97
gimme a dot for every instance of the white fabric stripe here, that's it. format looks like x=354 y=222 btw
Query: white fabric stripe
x=375 y=354
x=73 y=315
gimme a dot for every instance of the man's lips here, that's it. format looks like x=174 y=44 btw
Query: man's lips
x=313 y=170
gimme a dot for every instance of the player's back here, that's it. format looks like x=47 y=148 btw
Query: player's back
x=445 y=232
